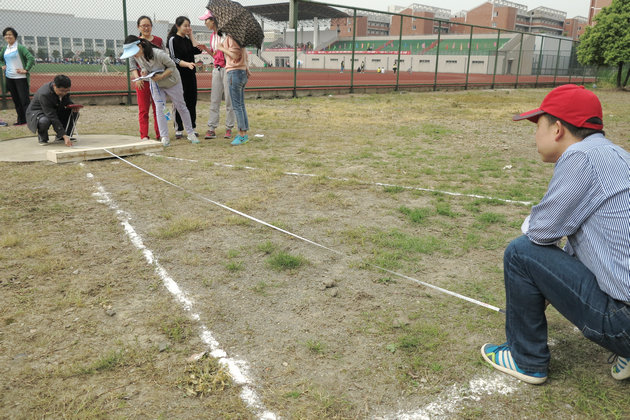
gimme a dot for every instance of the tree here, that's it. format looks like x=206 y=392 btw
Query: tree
x=56 y=54
x=608 y=41
x=42 y=53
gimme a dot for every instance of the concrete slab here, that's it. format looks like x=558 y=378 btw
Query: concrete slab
x=27 y=149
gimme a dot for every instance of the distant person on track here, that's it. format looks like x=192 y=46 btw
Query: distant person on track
x=587 y=281
x=182 y=46
x=106 y=62
x=16 y=61
x=143 y=90
x=237 y=69
x=165 y=80
x=220 y=86
x=49 y=107
x=343 y=66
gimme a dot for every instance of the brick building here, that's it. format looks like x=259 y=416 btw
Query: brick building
x=507 y=15
x=490 y=15
x=368 y=24
x=596 y=7
x=435 y=20
x=574 y=27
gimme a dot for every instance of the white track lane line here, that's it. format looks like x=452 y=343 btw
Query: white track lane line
x=238 y=369
x=380 y=184
x=454 y=398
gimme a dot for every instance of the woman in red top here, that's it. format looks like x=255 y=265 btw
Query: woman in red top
x=143 y=92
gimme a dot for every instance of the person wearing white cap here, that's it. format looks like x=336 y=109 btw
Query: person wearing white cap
x=165 y=80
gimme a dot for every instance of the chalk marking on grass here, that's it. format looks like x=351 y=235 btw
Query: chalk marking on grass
x=262 y=222
x=449 y=402
x=238 y=368
x=380 y=184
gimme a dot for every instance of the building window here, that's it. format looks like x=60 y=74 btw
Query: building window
x=77 y=42
x=451 y=61
x=478 y=62
x=88 y=44
x=99 y=43
x=424 y=61
x=41 y=40
x=29 y=41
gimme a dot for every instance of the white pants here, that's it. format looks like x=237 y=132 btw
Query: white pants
x=176 y=93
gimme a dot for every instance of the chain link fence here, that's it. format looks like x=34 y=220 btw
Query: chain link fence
x=333 y=48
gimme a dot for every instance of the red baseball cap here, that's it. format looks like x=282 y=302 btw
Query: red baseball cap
x=570 y=103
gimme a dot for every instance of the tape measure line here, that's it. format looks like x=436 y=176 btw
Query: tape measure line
x=286 y=232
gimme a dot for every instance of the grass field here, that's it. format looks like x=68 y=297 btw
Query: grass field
x=91 y=327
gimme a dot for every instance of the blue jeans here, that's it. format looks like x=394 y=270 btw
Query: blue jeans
x=534 y=273
x=237 y=79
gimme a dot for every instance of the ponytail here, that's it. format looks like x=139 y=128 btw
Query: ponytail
x=178 y=22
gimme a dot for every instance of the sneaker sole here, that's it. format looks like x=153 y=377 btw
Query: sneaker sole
x=525 y=378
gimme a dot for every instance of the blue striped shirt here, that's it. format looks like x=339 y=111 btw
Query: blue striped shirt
x=588 y=201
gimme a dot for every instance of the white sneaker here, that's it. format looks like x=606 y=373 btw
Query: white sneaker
x=166 y=141
x=193 y=138
x=621 y=368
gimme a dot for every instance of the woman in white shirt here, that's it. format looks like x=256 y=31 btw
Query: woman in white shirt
x=16 y=61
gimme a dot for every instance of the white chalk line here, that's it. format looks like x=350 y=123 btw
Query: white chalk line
x=201 y=197
x=238 y=369
x=449 y=402
x=380 y=184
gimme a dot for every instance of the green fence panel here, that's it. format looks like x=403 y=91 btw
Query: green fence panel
x=68 y=37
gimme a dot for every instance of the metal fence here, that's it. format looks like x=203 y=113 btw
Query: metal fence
x=84 y=41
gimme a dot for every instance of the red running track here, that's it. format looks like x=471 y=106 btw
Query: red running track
x=312 y=79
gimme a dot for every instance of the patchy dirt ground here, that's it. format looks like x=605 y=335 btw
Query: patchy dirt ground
x=113 y=282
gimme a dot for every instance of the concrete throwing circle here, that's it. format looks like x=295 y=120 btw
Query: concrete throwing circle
x=28 y=149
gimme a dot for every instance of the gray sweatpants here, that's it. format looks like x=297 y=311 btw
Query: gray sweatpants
x=220 y=87
x=176 y=93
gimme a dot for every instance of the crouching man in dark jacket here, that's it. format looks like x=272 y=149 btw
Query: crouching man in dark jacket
x=50 y=107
